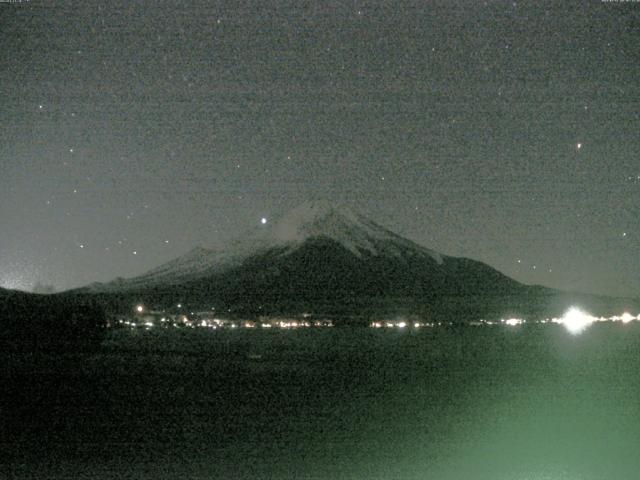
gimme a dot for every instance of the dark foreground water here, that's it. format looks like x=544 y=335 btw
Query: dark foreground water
x=530 y=403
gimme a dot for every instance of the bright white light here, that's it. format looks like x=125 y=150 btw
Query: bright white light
x=139 y=309
x=575 y=320
x=513 y=321
x=402 y=324
x=627 y=317
x=263 y=220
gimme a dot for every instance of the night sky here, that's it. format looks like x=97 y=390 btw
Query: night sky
x=506 y=132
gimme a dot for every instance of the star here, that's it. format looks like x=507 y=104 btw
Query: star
x=578 y=146
x=263 y=220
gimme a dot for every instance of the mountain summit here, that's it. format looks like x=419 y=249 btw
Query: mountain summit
x=310 y=221
x=340 y=224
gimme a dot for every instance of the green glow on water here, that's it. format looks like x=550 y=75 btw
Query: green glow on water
x=532 y=402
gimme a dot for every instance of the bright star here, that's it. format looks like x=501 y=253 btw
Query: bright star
x=263 y=220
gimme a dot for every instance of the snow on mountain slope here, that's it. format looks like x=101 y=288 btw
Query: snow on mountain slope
x=353 y=231
x=310 y=220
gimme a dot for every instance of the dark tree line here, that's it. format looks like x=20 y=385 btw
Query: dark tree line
x=49 y=322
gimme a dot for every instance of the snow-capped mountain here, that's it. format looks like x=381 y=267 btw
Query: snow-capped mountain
x=311 y=220
x=317 y=257
x=330 y=260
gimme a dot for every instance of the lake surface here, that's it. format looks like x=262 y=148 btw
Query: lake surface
x=528 y=402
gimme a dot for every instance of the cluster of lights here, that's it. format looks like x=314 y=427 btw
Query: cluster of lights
x=512 y=322
x=292 y=324
x=221 y=324
x=574 y=320
x=401 y=324
x=149 y=319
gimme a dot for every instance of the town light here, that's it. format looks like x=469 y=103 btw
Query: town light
x=627 y=317
x=575 y=320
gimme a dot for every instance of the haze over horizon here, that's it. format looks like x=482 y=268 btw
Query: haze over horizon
x=498 y=131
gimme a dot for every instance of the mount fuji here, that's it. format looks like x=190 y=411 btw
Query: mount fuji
x=311 y=222
x=324 y=258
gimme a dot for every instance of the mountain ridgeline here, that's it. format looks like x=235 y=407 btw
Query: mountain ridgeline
x=328 y=260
